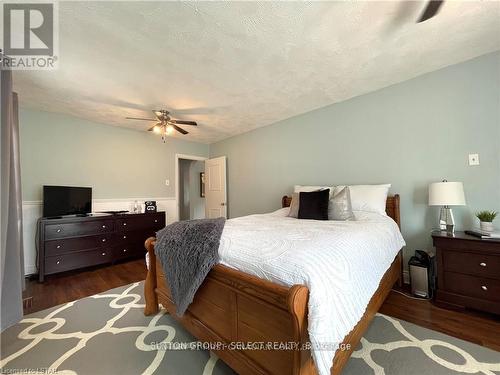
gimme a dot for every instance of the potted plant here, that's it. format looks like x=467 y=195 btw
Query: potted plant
x=486 y=220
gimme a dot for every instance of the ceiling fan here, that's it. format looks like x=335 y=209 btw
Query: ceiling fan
x=165 y=125
x=431 y=10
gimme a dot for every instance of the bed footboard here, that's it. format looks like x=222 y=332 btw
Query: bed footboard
x=232 y=309
x=150 y=295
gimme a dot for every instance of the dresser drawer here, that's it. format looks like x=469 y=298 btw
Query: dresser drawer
x=472 y=264
x=134 y=236
x=77 y=229
x=79 y=259
x=472 y=286
x=130 y=249
x=148 y=221
x=463 y=242
x=65 y=245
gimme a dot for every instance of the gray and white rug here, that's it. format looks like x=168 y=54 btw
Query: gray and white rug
x=108 y=334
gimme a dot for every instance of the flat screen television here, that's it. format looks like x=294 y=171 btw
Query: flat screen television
x=66 y=200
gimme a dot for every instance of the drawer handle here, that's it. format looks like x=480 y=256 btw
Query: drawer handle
x=124 y=250
x=58 y=231
x=124 y=237
x=104 y=227
x=103 y=254
x=58 y=246
x=484 y=287
x=58 y=262
x=103 y=240
x=124 y=223
x=156 y=220
x=482 y=264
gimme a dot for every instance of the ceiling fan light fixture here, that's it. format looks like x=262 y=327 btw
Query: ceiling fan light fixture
x=165 y=125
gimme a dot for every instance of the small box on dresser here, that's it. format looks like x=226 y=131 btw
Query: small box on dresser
x=468 y=270
x=70 y=243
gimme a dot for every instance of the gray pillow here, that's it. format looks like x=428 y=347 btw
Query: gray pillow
x=339 y=207
x=294 y=206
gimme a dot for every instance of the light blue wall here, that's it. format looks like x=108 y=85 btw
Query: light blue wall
x=409 y=134
x=58 y=149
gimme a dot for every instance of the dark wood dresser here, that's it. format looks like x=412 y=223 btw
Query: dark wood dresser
x=468 y=271
x=75 y=242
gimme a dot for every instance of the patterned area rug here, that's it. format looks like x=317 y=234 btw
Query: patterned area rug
x=108 y=334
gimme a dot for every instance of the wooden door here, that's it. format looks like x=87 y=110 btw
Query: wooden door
x=215 y=188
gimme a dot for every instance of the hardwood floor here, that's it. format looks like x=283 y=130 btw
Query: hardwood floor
x=69 y=286
x=476 y=327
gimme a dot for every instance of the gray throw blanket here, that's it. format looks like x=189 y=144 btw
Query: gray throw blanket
x=188 y=250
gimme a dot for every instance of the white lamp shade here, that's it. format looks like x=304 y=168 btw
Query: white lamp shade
x=446 y=194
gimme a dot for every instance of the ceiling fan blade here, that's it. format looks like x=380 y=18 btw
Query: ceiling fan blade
x=181 y=122
x=154 y=126
x=140 y=118
x=180 y=130
x=431 y=10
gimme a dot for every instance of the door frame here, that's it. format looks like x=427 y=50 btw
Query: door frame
x=177 y=193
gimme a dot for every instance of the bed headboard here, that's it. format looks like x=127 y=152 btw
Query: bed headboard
x=391 y=206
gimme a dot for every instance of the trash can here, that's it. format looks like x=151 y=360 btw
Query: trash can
x=421 y=267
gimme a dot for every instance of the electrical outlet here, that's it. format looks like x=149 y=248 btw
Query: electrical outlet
x=167 y=182
x=473 y=159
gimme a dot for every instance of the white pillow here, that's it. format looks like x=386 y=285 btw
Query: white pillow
x=369 y=198
x=308 y=188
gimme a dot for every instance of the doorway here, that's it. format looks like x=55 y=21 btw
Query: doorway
x=189 y=187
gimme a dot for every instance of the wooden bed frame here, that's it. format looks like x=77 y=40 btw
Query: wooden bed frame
x=235 y=307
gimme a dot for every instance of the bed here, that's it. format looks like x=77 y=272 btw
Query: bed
x=233 y=306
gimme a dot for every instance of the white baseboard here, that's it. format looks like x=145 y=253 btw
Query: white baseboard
x=30 y=270
x=32 y=211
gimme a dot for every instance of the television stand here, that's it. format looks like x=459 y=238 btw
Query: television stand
x=73 y=242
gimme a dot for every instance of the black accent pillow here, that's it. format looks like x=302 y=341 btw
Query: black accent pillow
x=314 y=205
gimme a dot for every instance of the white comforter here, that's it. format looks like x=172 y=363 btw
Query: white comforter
x=341 y=262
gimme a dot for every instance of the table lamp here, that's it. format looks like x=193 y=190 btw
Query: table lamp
x=446 y=194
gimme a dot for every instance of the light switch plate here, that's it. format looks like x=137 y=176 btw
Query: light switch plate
x=167 y=182
x=473 y=159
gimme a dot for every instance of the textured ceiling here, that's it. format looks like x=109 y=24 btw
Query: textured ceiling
x=237 y=66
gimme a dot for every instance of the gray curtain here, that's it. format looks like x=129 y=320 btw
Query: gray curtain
x=11 y=243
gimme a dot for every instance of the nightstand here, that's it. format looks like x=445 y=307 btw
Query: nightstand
x=468 y=271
